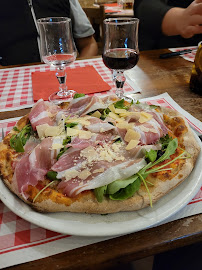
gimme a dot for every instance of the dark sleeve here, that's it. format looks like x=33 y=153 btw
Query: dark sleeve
x=150 y=13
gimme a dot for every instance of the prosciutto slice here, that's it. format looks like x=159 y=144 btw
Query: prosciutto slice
x=87 y=104
x=112 y=171
x=43 y=113
x=99 y=126
x=32 y=168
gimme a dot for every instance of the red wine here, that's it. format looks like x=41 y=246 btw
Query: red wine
x=120 y=58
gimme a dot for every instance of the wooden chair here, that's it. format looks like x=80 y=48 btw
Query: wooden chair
x=96 y=15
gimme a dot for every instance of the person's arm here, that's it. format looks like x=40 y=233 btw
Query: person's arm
x=185 y=22
x=87 y=47
x=151 y=14
x=82 y=31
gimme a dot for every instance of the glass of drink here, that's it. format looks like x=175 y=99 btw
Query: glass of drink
x=57 y=49
x=120 y=48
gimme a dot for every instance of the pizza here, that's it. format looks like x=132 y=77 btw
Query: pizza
x=97 y=155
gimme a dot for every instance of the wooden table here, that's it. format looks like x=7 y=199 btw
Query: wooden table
x=154 y=76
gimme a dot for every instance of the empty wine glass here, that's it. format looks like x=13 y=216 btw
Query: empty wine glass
x=120 y=48
x=57 y=49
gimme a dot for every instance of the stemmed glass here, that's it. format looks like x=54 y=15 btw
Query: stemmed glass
x=120 y=48
x=57 y=49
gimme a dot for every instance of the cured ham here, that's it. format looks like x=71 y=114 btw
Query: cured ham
x=99 y=126
x=111 y=172
x=91 y=158
x=32 y=167
x=87 y=104
x=42 y=113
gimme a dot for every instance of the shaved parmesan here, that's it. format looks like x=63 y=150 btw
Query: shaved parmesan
x=41 y=130
x=99 y=170
x=57 y=146
x=84 y=174
x=126 y=114
x=96 y=114
x=112 y=108
x=52 y=131
x=69 y=174
x=118 y=111
x=144 y=117
x=132 y=135
x=132 y=144
x=83 y=121
x=124 y=125
x=85 y=134
x=72 y=132
x=113 y=115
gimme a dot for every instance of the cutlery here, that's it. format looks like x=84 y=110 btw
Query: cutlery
x=172 y=54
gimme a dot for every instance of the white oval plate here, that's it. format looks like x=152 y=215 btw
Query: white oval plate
x=111 y=224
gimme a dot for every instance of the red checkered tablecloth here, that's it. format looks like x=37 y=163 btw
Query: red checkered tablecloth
x=16 y=83
x=189 y=56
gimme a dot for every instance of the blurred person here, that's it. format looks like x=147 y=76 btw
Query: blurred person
x=168 y=23
x=19 y=34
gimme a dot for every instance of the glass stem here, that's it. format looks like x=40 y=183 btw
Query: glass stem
x=61 y=76
x=119 y=81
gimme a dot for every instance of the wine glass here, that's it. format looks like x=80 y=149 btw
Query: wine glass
x=57 y=49
x=120 y=48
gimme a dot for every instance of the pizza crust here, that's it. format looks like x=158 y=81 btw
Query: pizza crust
x=86 y=201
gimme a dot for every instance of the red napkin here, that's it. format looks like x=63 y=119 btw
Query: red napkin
x=111 y=5
x=84 y=80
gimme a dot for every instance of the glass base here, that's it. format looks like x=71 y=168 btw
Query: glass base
x=129 y=99
x=57 y=98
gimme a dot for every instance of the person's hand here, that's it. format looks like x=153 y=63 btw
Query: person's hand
x=183 y=21
x=190 y=21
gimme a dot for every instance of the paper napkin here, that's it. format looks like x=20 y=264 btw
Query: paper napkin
x=84 y=80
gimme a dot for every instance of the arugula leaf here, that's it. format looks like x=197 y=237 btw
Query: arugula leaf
x=37 y=195
x=118 y=140
x=120 y=104
x=52 y=175
x=105 y=113
x=120 y=184
x=70 y=125
x=18 y=141
x=165 y=141
x=126 y=192
x=153 y=106
x=64 y=149
x=77 y=95
x=124 y=189
x=16 y=129
x=100 y=192
x=170 y=150
x=67 y=140
x=151 y=155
